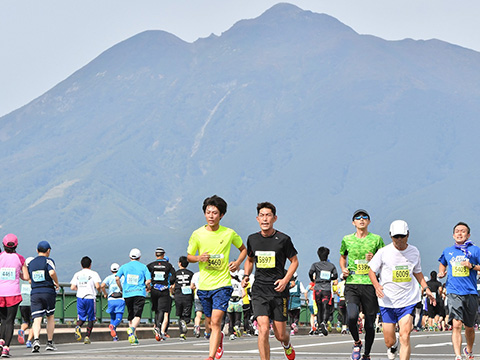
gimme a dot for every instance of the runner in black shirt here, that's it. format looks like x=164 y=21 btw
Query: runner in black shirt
x=268 y=250
x=183 y=296
x=163 y=277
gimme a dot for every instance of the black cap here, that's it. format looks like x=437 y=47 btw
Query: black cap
x=159 y=250
x=360 y=211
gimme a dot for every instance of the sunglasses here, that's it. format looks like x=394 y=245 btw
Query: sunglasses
x=399 y=236
x=365 y=217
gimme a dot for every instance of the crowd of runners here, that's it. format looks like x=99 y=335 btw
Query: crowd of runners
x=378 y=288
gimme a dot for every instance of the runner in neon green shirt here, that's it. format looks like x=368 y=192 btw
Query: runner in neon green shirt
x=212 y=242
x=359 y=248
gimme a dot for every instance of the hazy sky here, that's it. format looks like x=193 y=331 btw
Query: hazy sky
x=42 y=42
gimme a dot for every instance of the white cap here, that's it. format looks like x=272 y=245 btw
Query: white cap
x=114 y=267
x=135 y=254
x=398 y=227
x=28 y=259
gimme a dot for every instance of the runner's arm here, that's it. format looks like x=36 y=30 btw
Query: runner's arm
x=235 y=265
x=247 y=269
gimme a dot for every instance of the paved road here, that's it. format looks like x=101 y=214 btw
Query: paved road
x=425 y=346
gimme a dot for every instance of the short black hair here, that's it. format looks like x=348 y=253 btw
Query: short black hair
x=216 y=201
x=323 y=253
x=10 y=249
x=86 y=262
x=461 y=223
x=266 y=205
x=183 y=261
x=433 y=275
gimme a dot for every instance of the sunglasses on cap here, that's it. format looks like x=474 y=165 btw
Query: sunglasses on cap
x=365 y=217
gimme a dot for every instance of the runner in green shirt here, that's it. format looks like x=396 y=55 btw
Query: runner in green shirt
x=356 y=251
x=212 y=242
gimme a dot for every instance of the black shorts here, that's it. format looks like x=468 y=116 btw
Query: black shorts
x=26 y=313
x=134 y=306
x=268 y=302
x=42 y=304
x=161 y=301
x=435 y=310
x=183 y=307
x=363 y=295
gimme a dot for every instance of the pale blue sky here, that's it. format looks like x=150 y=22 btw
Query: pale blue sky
x=44 y=41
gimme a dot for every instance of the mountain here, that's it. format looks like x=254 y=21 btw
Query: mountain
x=292 y=107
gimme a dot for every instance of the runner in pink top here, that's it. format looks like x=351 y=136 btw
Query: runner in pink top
x=12 y=269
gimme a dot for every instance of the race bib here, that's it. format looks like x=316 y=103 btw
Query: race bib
x=215 y=262
x=38 y=275
x=362 y=267
x=265 y=259
x=325 y=275
x=159 y=275
x=132 y=279
x=26 y=289
x=82 y=280
x=186 y=290
x=401 y=274
x=458 y=270
x=7 y=274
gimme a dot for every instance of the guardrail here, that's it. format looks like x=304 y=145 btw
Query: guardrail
x=66 y=309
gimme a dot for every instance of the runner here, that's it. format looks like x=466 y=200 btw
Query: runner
x=213 y=242
x=268 y=250
x=116 y=302
x=462 y=263
x=163 y=277
x=436 y=313
x=198 y=310
x=133 y=279
x=44 y=283
x=12 y=266
x=86 y=282
x=183 y=296
x=296 y=289
x=25 y=311
x=359 y=248
x=235 y=307
x=323 y=273
x=397 y=264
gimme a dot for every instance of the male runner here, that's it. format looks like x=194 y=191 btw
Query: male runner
x=397 y=264
x=183 y=296
x=359 y=248
x=116 y=302
x=213 y=242
x=163 y=277
x=86 y=282
x=463 y=261
x=44 y=285
x=133 y=279
x=268 y=250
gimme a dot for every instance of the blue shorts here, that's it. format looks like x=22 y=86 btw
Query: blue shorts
x=392 y=315
x=116 y=306
x=215 y=299
x=86 y=308
x=42 y=304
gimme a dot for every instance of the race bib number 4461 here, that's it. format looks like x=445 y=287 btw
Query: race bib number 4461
x=265 y=259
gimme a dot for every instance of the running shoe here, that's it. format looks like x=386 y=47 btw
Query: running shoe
x=135 y=343
x=206 y=335
x=2 y=344
x=5 y=352
x=158 y=335
x=366 y=357
x=78 y=333
x=113 y=331
x=131 y=335
x=115 y=338
x=294 y=328
x=50 y=346
x=458 y=357
x=392 y=351
x=28 y=343
x=323 y=329
x=219 y=352
x=468 y=356
x=357 y=348
x=289 y=352
x=237 y=331
x=21 y=337
x=87 y=340
x=311 y=332
x=183 y=337
x=232 y=337
x=36 y=346
x=196 y=331
x=183 y=327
